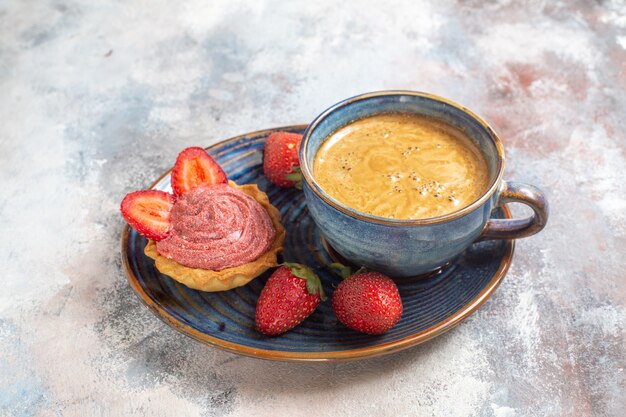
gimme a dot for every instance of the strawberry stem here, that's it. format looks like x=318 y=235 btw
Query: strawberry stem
x=313 y=283
x=342 y=270
x=345 y=271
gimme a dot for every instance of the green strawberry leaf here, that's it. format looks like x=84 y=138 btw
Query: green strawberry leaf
x=313 y=283
x=295 y=176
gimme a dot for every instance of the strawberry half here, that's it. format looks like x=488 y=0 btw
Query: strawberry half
x=148 y=212
x=290 y=295
x=368 y=302
x=194 y=167
x=280 y=159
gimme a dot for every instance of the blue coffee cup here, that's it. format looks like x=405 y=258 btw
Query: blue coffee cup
x=404 y=248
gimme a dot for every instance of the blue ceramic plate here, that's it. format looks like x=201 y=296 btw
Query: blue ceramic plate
x=226 y=319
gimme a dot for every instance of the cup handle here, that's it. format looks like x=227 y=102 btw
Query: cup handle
x=516 y=192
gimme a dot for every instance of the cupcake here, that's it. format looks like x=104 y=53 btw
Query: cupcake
x=210 y=234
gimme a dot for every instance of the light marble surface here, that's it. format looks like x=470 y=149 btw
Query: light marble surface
x=97 y=98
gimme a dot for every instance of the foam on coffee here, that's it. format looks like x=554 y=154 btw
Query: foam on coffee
x=401 y=166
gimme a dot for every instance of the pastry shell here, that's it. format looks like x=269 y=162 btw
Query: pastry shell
x=225 y=279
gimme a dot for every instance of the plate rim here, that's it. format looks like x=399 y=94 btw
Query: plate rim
x=332 y=356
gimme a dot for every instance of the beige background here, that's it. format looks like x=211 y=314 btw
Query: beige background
x=97 y=98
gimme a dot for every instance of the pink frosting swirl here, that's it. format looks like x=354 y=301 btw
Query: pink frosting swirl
x=217 y=227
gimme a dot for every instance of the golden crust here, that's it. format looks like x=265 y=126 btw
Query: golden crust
x=226 y=279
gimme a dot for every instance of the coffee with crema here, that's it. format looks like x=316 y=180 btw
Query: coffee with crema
x=401 y=166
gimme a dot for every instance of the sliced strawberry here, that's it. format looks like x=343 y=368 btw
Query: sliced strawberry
x=148 y=212
x=194 y=167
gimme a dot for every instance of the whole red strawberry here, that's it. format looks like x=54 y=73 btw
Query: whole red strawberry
x=290 y=295
x=368 y=302
x=280 y=159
